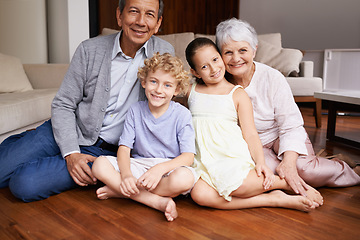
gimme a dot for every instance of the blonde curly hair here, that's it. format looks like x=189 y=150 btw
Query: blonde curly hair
x=168 y=64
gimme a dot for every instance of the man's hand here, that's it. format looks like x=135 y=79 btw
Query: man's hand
x=287 y=170
x=79 y=170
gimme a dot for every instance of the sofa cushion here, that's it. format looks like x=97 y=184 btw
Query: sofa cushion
x=12 y=75
x=286 y=60
x=271 y=38
x=179 y=41
x=20 y=109
x=305 y=86
x=108 y=31
x=212 y=37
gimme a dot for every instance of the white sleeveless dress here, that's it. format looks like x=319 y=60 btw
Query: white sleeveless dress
x=222 y=156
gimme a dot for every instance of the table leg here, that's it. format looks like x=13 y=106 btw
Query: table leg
x=331 y=120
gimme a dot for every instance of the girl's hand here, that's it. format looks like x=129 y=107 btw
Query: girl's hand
x=128 y=186
x=268 y=174
x=150 y=179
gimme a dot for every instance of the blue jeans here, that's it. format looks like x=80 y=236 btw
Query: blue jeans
x=32 y=165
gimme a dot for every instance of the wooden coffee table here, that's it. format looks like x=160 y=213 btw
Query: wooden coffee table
x=340 y=100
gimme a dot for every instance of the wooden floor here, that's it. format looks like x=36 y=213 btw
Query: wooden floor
x=77 y=214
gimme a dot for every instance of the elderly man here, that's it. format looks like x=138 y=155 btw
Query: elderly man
x=89 y=109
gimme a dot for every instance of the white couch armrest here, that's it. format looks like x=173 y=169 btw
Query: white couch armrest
x=306 y=69
x=45 y=75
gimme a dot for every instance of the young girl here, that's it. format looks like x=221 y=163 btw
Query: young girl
x=229 y=157
x=159 y=136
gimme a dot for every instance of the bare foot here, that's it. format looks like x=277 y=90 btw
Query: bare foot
x=168 y=206
x=105 y=192
x=297 y=202
x=315 y=196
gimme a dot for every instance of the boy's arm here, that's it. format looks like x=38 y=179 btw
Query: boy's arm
x=128 y=181
x=152 y=177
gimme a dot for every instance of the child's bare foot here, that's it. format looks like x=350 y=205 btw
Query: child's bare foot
x=168 y=206
x=297 y=202
x=315 y=196
x=105 y=192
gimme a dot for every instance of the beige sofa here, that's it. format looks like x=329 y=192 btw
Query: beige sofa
x=25 y=99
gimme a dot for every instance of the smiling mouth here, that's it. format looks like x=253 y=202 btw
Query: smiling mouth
x=139 y=32
x=237 y=65
x=157 y=97
x=217 y=74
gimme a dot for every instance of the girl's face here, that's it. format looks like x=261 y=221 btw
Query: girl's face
x=238 y=57
x=208 y=65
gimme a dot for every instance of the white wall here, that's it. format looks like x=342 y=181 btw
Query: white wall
x=309 y=25
x=23 y=30
x=68 y=26
x=306 y=24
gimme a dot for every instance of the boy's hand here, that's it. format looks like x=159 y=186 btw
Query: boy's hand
x=151 y=178
x=268 y=174
x=128 y=186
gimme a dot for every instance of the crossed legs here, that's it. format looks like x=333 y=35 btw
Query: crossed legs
x=204 y=195
x=179 y=181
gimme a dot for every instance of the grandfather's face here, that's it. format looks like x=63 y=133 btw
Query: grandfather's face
x=238 y=57
x=139 y=21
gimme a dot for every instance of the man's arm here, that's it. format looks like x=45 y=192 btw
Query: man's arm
x=64 y=121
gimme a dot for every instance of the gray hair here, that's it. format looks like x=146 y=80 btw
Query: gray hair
x=122 y=4
x=236 y=30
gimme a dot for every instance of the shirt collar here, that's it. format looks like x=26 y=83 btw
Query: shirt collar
x=117 y=49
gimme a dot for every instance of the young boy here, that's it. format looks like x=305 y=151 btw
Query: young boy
x=159 y=136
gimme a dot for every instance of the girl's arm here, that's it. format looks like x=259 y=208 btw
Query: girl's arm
x=152 y=177
x=246 y=121
x=128 y=181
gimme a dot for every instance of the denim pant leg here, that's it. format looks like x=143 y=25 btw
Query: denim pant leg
x=41 y=179
x=25 y=147
x=47 y=176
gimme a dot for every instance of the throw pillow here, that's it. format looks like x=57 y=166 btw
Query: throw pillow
x=12 y=75
x=286 y=60
x=272 y=38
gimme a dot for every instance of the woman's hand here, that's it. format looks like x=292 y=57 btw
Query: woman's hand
x=151 y=178
x=268 y=174
x=128 y=186
x=287 y=170
x=79 y=170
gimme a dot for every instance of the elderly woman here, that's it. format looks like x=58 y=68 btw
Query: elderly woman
x=288 y=150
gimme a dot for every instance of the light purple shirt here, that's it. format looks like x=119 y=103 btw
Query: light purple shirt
x=165 y=137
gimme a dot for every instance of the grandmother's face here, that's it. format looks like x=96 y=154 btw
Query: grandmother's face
x=238 y=57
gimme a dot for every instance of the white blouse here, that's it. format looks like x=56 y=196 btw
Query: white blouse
x=275 y=111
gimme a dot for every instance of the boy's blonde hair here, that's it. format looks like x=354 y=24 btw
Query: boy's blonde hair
x=168 y=64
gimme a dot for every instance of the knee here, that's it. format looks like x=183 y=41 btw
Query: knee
x=98 y=167
x=202 y=197
x=181 y=180
x=25 y=189
x=30 y=183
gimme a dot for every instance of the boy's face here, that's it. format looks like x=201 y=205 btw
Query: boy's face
x=160 y=87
